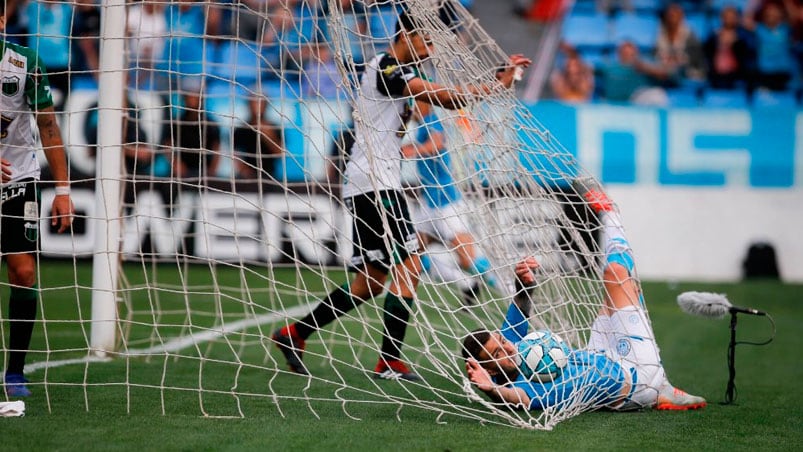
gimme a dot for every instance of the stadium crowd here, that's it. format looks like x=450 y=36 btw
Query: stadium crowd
x=682 y=53
x=648 y=52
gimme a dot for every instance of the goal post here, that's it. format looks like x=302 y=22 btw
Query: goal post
x=108 y=192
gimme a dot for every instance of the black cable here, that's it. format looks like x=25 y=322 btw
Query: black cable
x=730 y=391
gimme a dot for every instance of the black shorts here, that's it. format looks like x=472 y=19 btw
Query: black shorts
x=372 y=242
x=19 y=220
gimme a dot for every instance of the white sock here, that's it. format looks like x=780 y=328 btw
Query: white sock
x=444 y=268
x=613 y=234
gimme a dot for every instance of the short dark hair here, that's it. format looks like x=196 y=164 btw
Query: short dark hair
x=406 y=23
x=474 y=343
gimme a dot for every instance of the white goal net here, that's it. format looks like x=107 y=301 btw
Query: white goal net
x=207 y=179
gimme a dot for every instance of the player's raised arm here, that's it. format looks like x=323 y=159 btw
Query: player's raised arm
x=455 y=97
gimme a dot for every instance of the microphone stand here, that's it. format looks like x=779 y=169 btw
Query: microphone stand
x=730 y=392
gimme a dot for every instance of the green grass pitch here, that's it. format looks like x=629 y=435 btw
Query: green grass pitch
x=767 y=415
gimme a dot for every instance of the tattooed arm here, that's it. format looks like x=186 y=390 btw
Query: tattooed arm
x=57 y=159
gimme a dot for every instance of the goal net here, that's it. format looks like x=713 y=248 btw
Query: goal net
x=207 y=144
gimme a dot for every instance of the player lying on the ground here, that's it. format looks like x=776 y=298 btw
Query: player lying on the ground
x=439 y=215
x=619 y=369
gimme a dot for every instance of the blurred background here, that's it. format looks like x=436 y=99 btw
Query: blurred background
x=687 y=111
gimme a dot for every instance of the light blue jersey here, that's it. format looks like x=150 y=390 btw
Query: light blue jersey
x=435 y=171
x=599 y=378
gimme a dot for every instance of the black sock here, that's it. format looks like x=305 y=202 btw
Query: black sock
x=396 y=316
x=337 y=303
x=21 y=315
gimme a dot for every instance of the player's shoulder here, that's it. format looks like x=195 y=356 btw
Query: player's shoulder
x=385 y=62
x=20 y=54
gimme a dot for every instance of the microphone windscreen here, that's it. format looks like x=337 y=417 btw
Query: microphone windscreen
x=706 y=304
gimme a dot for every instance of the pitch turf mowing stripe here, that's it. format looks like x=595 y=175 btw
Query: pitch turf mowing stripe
x=181 y=343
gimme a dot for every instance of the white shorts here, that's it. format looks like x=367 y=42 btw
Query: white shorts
x=442 y=223
x=627 y=338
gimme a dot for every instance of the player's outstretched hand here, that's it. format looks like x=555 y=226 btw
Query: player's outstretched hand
x=5 y=171
x=478 y=375
x=525 y=271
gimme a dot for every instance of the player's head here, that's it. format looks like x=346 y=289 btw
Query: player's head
x=492 y=351
x=411 y=32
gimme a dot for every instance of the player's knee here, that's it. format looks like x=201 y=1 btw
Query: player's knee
x=22 y=276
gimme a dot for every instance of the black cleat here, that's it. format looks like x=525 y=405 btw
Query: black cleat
x=292 y=349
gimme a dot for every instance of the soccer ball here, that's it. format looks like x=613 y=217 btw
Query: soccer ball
x=542 y=355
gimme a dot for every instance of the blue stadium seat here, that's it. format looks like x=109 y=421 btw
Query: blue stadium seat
x=642 y=30
x=594 y=57
x=584 y=31
x=647 y=6
x=700 y=25
x=683 y=97
x=774 y=99
x=586 y=7
x=382 y=22
x=725 y=99
x=238 y=61
x=716 y=5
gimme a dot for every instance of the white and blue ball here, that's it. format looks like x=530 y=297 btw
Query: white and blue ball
x=542 y=355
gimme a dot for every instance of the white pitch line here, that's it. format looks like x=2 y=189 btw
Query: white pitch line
x=177 y=344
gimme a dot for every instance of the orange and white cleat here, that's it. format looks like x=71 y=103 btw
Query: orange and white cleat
x=592 y=193
x=671 y=398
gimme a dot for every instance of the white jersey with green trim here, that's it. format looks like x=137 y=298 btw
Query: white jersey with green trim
x=24 y=89
x=380 y=117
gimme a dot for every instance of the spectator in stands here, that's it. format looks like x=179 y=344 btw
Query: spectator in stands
x=137 y=152
x=574 y=82
x=244 y=19
x=189 y=23
x=192 y=139
x=257 y=144
x=631 y=79
x=321 y=75
x=775 y=61
x=277 y=29
x=86 y=35
x=50 y=25
x=146 y=27
x=677 y=48
x=729 y=51
x=357 y=27
x=794 y=13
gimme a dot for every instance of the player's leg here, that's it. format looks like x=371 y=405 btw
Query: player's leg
x=452 y=229
x=401 y=293
x=441 y=267
x=20 y=241
x=22 y=315
x=371 y=260
x=624 y=328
